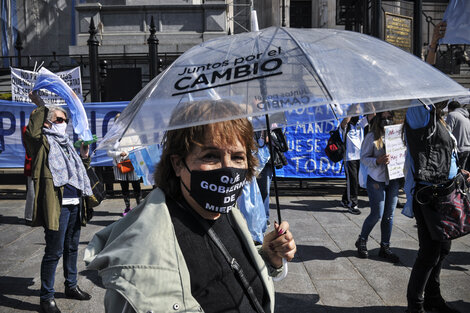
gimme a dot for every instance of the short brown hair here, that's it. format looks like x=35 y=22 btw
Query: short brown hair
x=181 y=141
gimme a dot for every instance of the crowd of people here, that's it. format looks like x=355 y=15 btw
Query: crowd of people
x=202 y=256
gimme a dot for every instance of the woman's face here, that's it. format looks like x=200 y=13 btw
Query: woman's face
x=212 y=155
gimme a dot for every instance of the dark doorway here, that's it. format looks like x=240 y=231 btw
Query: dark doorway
x=301 y=14
x=122 y=84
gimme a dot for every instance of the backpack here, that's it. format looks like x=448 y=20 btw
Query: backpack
x=335 y=147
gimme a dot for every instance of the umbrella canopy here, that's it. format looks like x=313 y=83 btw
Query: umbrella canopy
x=323 y=73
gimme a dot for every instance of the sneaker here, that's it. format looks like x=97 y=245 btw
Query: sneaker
x=387 y=254
x=438 y=305
x=344 y=204
x=354 y=210
x=361 y=245
x=126 y=210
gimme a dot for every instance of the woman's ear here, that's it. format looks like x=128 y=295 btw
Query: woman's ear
x=177 y=164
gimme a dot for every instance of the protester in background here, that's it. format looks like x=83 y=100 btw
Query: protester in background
x=423 y=128
x=458 y=123
x=383 y=192
x=124 y=178
x=164 y=254
x=60 y=181
x=438 y=33
x=353 y=135
x=28 y=208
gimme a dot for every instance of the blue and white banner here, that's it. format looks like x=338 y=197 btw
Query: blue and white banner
x=15 y=115
x=52 y=82
x=306 y=142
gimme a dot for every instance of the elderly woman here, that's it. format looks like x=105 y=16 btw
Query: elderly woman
x=178 y=250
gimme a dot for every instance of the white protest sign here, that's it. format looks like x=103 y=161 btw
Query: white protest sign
x=397 y=150
x=22 y=82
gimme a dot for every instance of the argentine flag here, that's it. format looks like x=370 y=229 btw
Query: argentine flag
x=144 y=161
x=50 y=81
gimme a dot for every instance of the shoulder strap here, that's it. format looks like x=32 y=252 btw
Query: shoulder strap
x=232 y=262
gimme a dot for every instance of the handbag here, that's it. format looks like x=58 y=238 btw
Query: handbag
x=447 y=208
x=97 y=188
x=125 y=166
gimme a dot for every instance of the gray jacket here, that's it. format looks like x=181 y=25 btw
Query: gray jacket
x=369 y=155
x=459 y=126
x=142 y=266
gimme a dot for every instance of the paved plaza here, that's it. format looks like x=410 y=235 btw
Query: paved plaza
x=325 y=276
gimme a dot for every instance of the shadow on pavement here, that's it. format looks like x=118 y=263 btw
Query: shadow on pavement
x=13 y=220
x=306 y=205
x=18 y=286
x=407 y=256
x=308 y=303
x=101 y=223
x=97 y=212
x=307 y=253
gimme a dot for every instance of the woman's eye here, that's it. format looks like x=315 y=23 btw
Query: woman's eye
x=238 y=158
x=210 y=156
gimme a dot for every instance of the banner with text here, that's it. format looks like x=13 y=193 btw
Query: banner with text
x=22 y=82
x=306 y=142
x=14 y=115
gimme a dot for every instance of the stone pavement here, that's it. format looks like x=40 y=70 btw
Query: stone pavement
x=325 y=276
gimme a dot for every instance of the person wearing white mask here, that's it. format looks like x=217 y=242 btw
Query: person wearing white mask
x=60 y=181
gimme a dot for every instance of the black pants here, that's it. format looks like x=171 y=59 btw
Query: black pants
x=125 y=192
x=425 y=274
x=351 y=169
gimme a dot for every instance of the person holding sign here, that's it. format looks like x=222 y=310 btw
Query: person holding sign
x=187 y=247
x=382 y=191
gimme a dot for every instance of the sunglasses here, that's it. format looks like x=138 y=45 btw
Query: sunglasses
x=60 y=120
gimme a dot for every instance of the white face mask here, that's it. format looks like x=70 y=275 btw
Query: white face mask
x=59 y=128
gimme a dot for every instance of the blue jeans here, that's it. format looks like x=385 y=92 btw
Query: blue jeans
x=382 y=200
x=64 y=241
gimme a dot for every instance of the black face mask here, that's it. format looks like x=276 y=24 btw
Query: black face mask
x=385 y=122
x=216 y=190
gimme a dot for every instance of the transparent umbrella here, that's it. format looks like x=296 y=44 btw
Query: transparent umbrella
x=322 y=73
